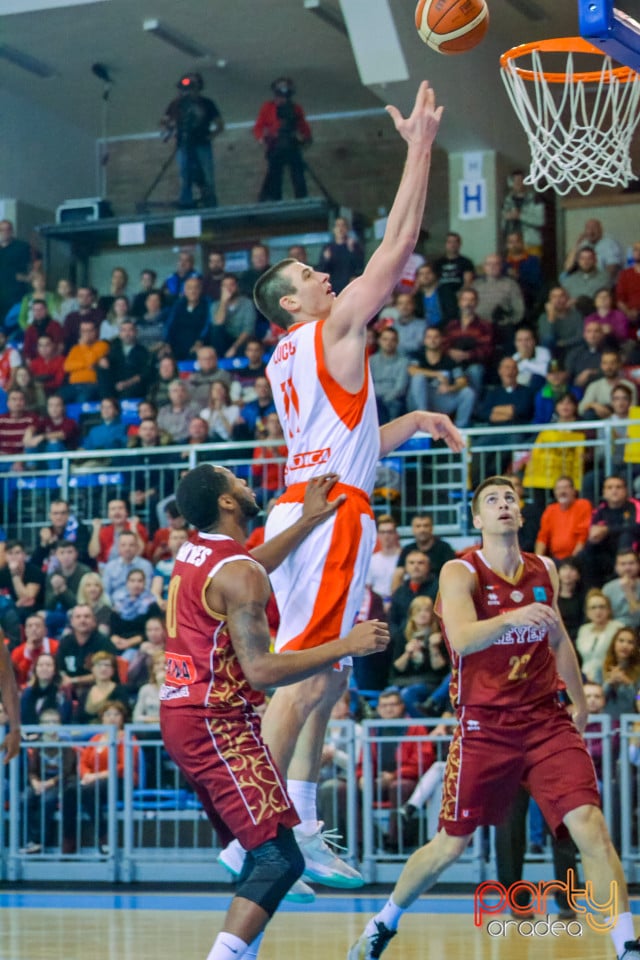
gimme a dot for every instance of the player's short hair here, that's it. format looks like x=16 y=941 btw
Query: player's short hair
x=268 y=290
x=489 y=482
x=197 y=495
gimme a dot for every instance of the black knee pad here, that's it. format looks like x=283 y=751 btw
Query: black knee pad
x=270 y=870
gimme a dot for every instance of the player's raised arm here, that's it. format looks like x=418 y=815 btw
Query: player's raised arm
x=365 y=296
x=243 y=590
x=465 y=632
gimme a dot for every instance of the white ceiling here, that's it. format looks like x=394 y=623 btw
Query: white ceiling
x=259 y=40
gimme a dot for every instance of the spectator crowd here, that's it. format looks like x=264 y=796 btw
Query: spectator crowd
x=82 y=609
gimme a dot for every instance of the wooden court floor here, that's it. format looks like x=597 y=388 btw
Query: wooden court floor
x=124 y=927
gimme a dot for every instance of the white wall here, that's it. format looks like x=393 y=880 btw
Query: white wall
x=44 y=159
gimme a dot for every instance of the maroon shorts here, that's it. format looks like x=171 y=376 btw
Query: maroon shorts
x=229 y=766
x=494 y=751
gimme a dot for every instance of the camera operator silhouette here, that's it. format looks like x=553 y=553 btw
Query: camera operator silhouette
x=282 y=128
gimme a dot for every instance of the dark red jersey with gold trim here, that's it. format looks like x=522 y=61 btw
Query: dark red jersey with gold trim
x=202 y=667
x=519 y=668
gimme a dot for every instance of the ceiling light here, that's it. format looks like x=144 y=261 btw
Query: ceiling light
x=25 y=61
x=175 y=39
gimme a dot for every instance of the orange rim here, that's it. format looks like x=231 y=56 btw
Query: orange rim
x=563 y=45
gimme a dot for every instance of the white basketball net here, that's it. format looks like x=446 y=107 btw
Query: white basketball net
x=576 y=142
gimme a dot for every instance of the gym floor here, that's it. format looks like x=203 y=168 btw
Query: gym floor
x=84 y=925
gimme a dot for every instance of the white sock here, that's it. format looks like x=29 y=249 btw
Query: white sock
x=227 y=947
x=389 y=915
x=622 y=932
x=427 y=785
x=252 y=950
x=304 y=795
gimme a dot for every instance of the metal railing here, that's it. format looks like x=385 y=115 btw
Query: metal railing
x=418 y=477
x=148 y=825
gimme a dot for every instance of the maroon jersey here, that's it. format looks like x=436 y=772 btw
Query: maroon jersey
x=519 y=667
x=202 y=667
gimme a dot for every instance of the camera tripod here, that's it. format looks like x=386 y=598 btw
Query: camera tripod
x=142 y=206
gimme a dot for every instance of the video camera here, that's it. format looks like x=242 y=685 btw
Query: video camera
x=190 y=83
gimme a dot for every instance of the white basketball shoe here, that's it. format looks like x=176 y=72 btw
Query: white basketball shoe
x=322 y=864
x=232 y=858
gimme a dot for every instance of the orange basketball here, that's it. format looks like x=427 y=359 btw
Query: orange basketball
x=452 y=26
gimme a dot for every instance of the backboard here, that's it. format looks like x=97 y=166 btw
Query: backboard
x=612 y=30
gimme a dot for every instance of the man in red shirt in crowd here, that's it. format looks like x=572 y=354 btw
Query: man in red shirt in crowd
x=36 y=642
x=628 y=288
x=47 y=366
x=469 y=340
x=42 y=324
x=103 y=545
x=9 y=359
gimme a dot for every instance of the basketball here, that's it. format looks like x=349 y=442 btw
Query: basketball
x=452 y=26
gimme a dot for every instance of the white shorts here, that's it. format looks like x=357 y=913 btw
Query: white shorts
x=320 y=585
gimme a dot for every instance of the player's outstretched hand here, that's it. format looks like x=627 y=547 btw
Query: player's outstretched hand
x=440 y=427
x=421 y=126
x=11 y=745
x=372 y=636
x=534 y=615
x=316 y=506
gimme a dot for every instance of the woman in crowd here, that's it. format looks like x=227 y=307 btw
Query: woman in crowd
x=68 y=302
x=155 y=638
x=94 y=769
x=167 y=373
x=39 y=291
x=622 y=672
x=117 y=288
x=147 y=708
x=570 y=596
x=595 y=636
x=420 y=666
x=104 y=689
x=221 y=415
x=51 y=776
x=34 y=396
x=91 y=592
x=44 y=693
x=110 y=326
x=132 y=605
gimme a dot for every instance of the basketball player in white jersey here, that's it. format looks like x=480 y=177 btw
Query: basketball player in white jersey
x=325 y=400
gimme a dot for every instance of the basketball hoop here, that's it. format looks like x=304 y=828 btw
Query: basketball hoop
x=579 y=123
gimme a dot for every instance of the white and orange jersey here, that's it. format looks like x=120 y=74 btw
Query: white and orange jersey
x=326 y=428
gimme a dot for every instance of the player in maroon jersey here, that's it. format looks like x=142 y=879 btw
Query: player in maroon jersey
x=218 y=658
x=508 y=645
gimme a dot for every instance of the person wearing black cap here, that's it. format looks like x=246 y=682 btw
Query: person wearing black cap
x=194 y=120
x=282 y=128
